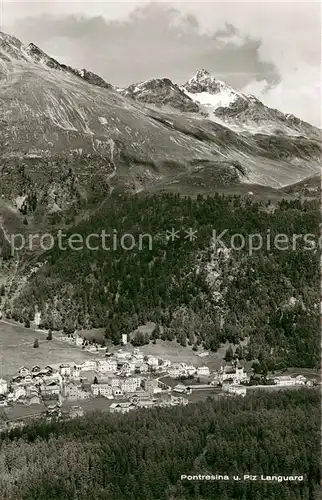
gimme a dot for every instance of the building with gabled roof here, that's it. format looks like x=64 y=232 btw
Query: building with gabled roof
x=121 y=407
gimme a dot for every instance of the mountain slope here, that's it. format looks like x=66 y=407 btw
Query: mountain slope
x=188 y=286
x=240 y=110
x=161 y=92
x=66 y=136
x=308 y=188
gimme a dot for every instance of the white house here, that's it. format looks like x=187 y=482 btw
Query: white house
x=150 y=385
x=237 y=390
x=178 y=401
x=65 y=370
x=54 y=378
x=31 y=389
x=18 y=392
x=241 y=375
x=28 y=379
x=180 y=388
x=114 y=382
x=121 y=407
x=91 y=348
x=175 y=371
x=203 y=371
x=284 y=380
x=126 y=367
x=132 y=365
x=300 y=380
x=102 y=390
x=142 y=367
x=138 y=354
x=23 y=371
x=75 y=391
x=76 y=371
x=95 y=389
x=122 y=355
x=130 y=384
x=49 y=390
x=3 y=386
x=191 y=370
x=89 y=365
x=107 y=365
x=153 y=361
x=145 y=404
x=78 y=340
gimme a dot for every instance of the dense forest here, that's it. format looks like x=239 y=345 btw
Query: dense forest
x=142 y=455
x=195 y=293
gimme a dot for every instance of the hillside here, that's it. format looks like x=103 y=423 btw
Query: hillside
x=197 y=292
x=68 y=136
x=142 y=455
x=309 y=188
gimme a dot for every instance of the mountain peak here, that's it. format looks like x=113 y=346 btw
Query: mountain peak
x=32 y=46
x=5 y=37
x=40 y=56
x=89 y=77
x=211 y=93
x=10 y=47
x=201 y=74
x=203 y=81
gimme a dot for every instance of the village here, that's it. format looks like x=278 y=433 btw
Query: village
x=119 y=382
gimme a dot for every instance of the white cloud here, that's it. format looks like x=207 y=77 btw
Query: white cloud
x=298 y=93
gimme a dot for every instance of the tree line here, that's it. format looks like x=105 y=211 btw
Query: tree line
x=142 y=455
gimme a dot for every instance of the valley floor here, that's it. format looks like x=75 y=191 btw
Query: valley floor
x=16 y=350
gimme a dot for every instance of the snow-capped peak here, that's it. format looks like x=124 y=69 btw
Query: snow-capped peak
x=210 y=92
x=203 y=81
x=201 y=74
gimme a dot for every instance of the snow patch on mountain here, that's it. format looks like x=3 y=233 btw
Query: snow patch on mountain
x=102 y=120
x=242 y=112
x=211 y=94
x=213 y=101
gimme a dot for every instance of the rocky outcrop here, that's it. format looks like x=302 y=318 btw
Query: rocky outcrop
x=41 y=57
x=161 y=92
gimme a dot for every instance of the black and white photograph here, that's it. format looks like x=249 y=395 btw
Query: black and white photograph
x=160 y=250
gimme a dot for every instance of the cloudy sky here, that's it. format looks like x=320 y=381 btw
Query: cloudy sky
x=270 y=49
